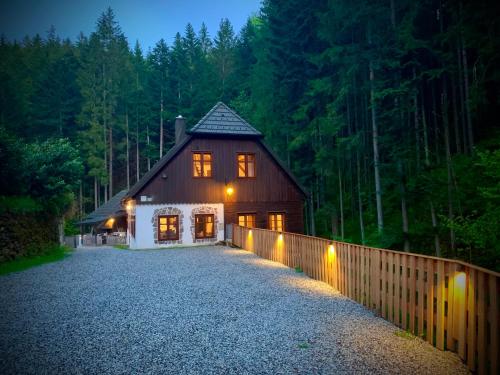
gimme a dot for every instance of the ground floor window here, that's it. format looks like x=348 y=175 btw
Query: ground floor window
x=168 y=227
x=204 y=226
x=246 y=220
x=276 y=221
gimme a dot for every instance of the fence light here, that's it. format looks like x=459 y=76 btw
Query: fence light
x=331 y=249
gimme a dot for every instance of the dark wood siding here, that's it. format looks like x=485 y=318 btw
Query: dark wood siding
x=293 y=211
x=271 y=183
x=270 y=190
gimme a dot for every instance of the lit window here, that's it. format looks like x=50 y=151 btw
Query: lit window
x=202 y=164
x=168 y=227
x=246 y=220
x=246 y=165
x=276 y=221
x=204 y=226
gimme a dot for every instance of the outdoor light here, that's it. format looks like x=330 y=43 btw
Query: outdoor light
x=460 y=279
x=229 y=190
x=331 y=249
x=280 y=237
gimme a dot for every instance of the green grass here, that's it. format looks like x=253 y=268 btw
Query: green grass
x=298 y=269
x=121 y=247
x=405 y=335
x=303 y=345
x=52 y=254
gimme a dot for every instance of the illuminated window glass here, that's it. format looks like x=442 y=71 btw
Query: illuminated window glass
x=202 y=164
x=246 y=220
x=204 y=226
x=246 y=165
x=168 y=227
x=276 y=221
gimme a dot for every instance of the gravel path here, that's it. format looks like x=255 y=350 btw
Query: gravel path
x=212 y=310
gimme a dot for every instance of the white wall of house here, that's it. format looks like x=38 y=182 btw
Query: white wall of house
x=146 y=222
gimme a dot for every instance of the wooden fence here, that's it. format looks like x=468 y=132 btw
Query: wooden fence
x=451 y=304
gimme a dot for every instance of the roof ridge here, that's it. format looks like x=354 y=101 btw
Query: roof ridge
x=234 y=125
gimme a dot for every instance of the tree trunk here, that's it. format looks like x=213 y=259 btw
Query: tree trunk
x=161 y=124
x=461 y=93
x=128 y=149
x=417 y=123
x=404 y=211
x=437 y=246
x=360 y=201
x=456 y=126
x=470 y=133
x=426 y=137
x=444 y=106
x=376 y=161
x=60 y=230
x=137 y=160
x=147 y=147
x=110 y=162
x=105 y=129
x=311 y=214
x=435 y=124
x=96 y=194
x=341 y=201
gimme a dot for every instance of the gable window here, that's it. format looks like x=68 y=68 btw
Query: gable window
x=168 y=227
x=246 y=165
x=202 y=164
x=246 y=220
x=204 y=226
x=276 y=221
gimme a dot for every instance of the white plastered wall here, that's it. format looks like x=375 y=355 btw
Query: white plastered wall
x=145 y=234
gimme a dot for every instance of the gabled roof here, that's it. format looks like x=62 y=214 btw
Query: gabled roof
x=222 y=120
x=109 y=209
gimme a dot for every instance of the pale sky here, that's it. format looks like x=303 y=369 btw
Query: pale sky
x=147 y=21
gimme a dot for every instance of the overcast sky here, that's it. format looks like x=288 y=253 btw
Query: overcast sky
x=146 y=21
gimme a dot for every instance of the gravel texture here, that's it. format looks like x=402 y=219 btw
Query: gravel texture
x=211 y=310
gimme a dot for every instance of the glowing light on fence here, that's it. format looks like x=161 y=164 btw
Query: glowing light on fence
x=229 y=190
x=331 y=249
x=460 y=280
x=331 y=252
x=280 y=237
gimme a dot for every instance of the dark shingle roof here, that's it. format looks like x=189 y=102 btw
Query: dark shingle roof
x=223 y=120
x=109 y=209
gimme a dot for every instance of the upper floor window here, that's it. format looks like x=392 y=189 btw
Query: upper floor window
x=246 y=220
x=276 y=221
x=246 y=165
x=202 y=164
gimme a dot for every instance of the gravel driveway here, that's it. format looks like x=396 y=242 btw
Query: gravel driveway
x=211 y=310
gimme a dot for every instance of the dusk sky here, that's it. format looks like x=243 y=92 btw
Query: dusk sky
x=146 y=21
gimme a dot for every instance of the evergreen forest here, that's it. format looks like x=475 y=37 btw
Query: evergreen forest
x=386 y=110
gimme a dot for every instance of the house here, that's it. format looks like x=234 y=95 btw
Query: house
x=217 y=173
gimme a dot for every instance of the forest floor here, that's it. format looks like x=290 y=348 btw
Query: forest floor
x=207 y=310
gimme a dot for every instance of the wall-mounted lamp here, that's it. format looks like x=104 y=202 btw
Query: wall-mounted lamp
x=229 y=190
x=164 y=176
x=331 y=249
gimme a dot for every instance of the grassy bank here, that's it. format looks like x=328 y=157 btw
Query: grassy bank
x=52 y=254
